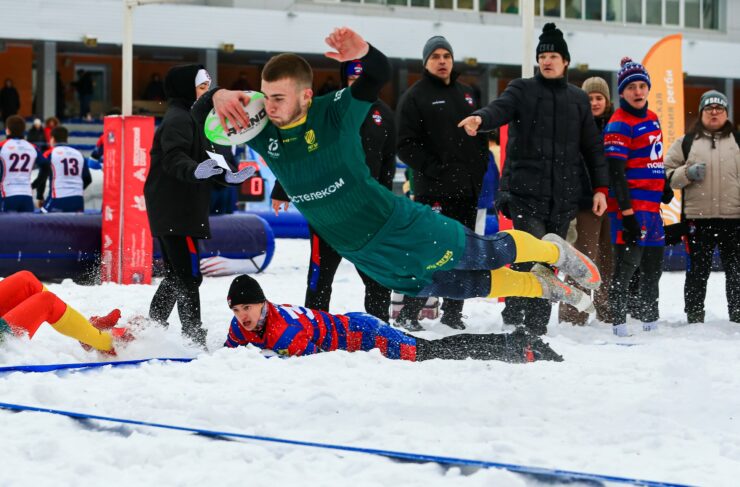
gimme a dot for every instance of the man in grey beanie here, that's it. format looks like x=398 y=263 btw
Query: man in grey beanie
x=448 y=166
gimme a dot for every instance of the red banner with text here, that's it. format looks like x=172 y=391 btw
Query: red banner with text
x=127 y=241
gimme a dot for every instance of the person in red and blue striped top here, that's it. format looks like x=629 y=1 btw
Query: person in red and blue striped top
x=633 y=145
x=294 y=331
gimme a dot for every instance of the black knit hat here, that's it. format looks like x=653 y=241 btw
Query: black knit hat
x=551 y=40
x=245 y=290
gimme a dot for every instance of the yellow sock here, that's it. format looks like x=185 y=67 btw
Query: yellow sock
x=506 y=283
x=532 y=249
x=74 y=325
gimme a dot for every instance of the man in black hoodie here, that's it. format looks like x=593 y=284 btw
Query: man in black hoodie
x=378 y=135
x=448 y=166
x=177 y=192
x=551 y=134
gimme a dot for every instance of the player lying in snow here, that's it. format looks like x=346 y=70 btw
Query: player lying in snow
x=294 y=330
x=25 y=304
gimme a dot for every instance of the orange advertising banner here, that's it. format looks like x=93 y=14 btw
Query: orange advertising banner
x=127 y=241
x=664 y=62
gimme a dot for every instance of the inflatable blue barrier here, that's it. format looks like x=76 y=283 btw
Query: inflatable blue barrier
x=288 y=224
x=57 y=246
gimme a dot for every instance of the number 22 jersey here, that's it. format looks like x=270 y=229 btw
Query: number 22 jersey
x=17 y=159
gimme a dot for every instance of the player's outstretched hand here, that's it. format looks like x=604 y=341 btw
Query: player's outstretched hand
x=207 y=169
x=241 y=176
x=471 y=124
x=230 y=104
x=347 y=45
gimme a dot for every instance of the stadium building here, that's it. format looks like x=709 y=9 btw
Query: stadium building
x=234 y=38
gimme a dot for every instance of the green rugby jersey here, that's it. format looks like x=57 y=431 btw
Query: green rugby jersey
x=321 y=166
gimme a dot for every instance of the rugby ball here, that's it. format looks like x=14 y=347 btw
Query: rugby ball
x=257 y=114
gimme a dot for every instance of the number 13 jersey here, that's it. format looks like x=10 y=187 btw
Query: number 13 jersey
x=67 y=165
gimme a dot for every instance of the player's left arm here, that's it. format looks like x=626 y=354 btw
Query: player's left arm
x=86 y=176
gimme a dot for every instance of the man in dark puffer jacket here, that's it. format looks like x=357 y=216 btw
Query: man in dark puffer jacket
x=178 y=192
x=551 y=134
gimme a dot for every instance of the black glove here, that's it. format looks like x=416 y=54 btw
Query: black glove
x=668 y=194
x=631 y=231
x=502 y=203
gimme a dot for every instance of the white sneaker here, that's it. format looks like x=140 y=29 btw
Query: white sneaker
x=555 y=290
x=650 y=326
x=621 y=330
x=574 y=263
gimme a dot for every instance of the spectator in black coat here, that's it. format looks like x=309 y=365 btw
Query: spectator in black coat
x=177 y=192
x=85 y=87
x=155 y=89
x=448 y=165
x=551 y=133
x=10 y=101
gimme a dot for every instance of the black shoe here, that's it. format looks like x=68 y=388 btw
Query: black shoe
x=197 y=334
x=454 y=322
x=695 y=317
x=524 y=347
x=409 y=324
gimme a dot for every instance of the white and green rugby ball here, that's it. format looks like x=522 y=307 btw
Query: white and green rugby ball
x=256 y=113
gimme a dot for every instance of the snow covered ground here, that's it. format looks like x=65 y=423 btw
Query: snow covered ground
x=665 y=409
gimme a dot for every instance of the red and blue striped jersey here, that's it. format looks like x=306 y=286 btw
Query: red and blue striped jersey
x=639 y=143
x=293 y=330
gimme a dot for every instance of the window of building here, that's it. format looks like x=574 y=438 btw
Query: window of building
x=633 y=11
x=420 y=3
x=465 y=4
x=615 y=10
x=672 y=9
x=654 y=12
x=446 y=4
x=593 y=10
x=573 y=9
x=691 y=13
x=510 y=6
x=711 y=14
x=551 y=8
x=488 y=5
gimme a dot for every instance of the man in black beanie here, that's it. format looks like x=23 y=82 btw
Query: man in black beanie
x=551 y=134
x=291 y=330
x=448 y=166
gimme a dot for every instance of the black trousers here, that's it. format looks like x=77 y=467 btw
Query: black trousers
x=321 y=271
x=464 y=211
x=627 y=259
x=182 y=278
x=500 y=346
x=704 y=236
x=534 y=313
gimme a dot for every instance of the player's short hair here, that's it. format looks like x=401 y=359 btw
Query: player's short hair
x=60 y=133
x=290 y=66
x=16 y=126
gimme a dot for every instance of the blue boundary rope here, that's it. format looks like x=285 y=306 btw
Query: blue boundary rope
x=86 y=365
x=563 y=475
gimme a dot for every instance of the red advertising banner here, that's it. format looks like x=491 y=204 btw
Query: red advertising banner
x=503 y=222
x=127 y=241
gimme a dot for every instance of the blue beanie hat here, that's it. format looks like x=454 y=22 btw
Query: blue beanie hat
x=631 y=72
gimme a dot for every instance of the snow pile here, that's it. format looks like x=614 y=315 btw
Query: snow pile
x=664 y=408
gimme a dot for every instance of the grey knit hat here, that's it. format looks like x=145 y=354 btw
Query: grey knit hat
x=598 y=85
x=433 y=44
x=712 y=97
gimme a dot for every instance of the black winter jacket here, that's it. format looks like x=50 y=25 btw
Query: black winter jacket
x=551 y=134
x=447 y=163
x=176 y=202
